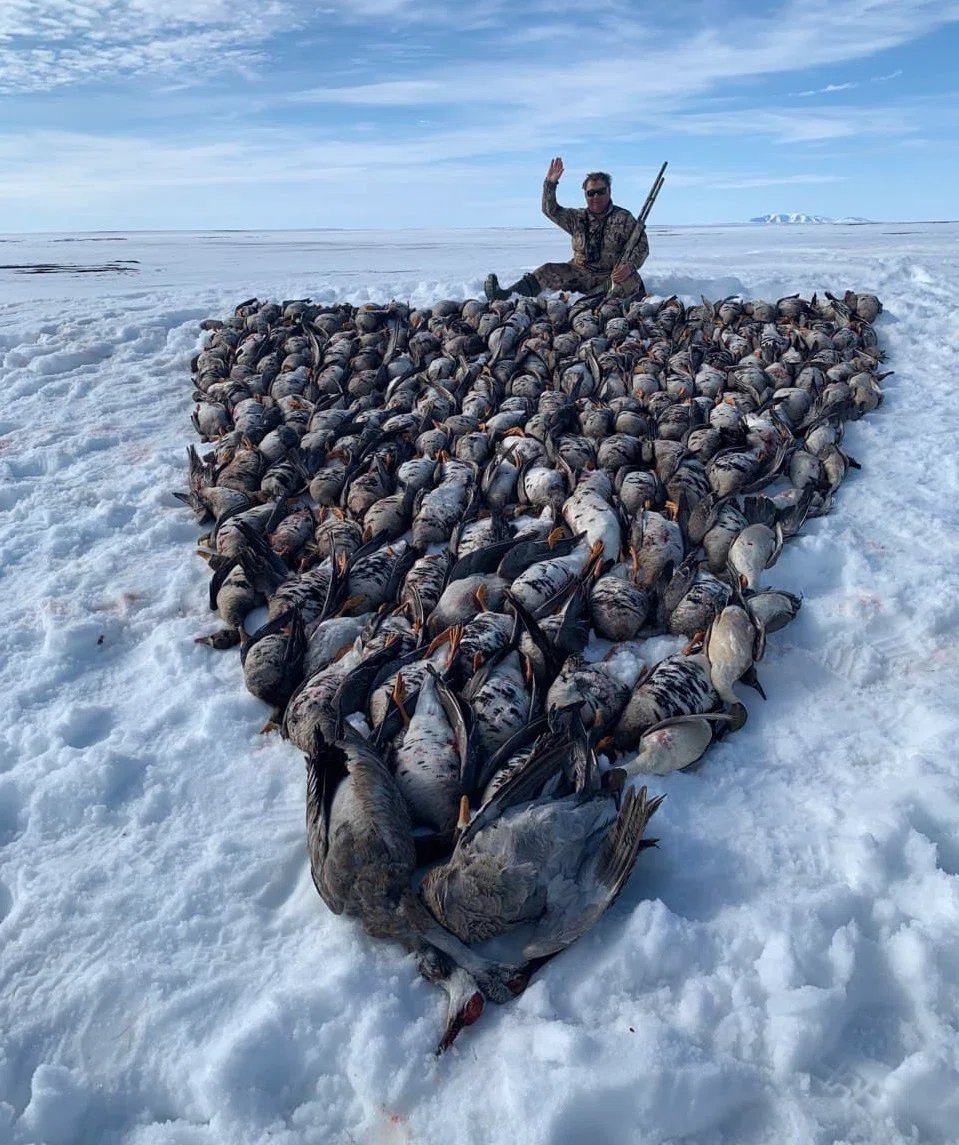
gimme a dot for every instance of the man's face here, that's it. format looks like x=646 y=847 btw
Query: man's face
x=597 y=203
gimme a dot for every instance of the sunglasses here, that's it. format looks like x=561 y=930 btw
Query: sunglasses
x=597 y=191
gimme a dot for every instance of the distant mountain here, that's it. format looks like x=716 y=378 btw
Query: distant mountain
x=801 y=218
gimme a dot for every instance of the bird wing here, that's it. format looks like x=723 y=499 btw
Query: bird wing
x=575 y=906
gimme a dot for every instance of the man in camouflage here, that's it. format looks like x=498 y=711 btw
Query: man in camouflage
x=599 y=232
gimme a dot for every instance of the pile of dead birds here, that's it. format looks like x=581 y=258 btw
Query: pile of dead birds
x=469 y=525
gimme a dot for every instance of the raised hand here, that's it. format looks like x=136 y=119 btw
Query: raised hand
x=555 y=172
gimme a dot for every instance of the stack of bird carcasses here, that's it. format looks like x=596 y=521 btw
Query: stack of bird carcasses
x=468 y=522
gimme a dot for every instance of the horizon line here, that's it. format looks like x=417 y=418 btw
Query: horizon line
x=416 y=230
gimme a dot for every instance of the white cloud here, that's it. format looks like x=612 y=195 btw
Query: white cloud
x=49 y=44
x=744 y=183
x=829 y=88
x=648 y=73
x=611 y=52
x=475 y=118
x=790 y=125
x=393 y=93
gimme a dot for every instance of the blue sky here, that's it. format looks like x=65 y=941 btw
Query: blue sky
x=156 y=114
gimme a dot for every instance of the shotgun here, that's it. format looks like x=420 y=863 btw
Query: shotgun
x=640 y=229
x=653 y=192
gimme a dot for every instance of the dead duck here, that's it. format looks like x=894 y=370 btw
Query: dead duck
x=732 y=646
x=433 y=766
x=675 y=744
x=597 y=691
x=501 y=697
x=272 y=659
x=679 y=685
x=755 y=549
x=547 y=579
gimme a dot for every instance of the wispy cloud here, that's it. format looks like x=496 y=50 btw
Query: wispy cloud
x=418 y=94
x=390 y=93
x=49 y=44
x=740 y=184
x=790 y=125
x=828 y=89
x=52 y=43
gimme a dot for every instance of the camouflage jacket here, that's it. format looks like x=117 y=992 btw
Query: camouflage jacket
x=598 y=242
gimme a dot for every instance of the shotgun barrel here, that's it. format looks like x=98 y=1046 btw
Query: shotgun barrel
x=653 y=192
x=640 y=229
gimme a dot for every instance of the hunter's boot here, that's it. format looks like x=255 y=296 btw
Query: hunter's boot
x=528 y=285
x=492 y=289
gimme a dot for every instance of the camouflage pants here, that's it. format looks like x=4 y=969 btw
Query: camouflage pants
x=582 y=280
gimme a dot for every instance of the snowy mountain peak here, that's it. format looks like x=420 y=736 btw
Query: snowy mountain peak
x=781 y=217
x=790 y=218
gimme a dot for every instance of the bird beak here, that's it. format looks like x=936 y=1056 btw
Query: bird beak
x=466 y=1005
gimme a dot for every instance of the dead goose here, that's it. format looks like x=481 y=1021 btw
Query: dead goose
x=318 y=708
x=439 y=509
x=478 y=533
x=666 y=366
x=215 y=502
x=327 y=640
x=233 y=595
x=374 y=574
x=398 y=686
x=542 y=487
x=589 y=511
x=772 y=608
x=658 y=544
x=692 y=598
x=464 y=598
x=424 y=583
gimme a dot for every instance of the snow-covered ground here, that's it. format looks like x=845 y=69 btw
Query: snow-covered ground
x=784 y=968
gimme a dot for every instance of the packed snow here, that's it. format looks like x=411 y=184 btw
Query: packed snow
x=784 y=967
